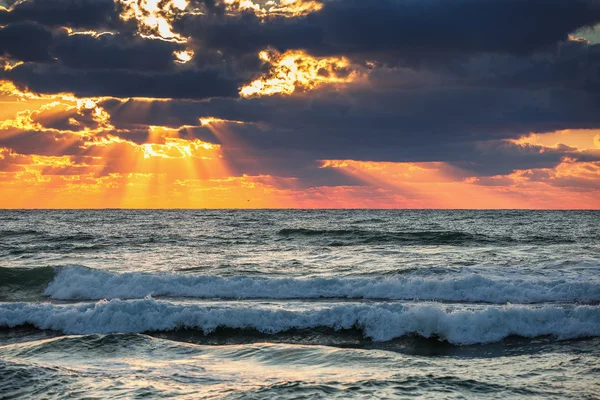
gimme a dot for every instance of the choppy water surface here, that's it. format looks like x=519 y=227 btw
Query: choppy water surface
x=299 y=304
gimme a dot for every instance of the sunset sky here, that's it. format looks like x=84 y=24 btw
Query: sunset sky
x=300 y=103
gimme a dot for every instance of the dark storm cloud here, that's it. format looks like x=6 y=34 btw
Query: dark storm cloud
x=246 y=33
x=393 y=30
x=25 y=42
x=411 y=31
x=118 y=65
x=435 y=123
x=511 y=26
x=87 y=14
x=118 y=51
x=190 y=84
x=30 y=41
x=371 y=118
x=574 y=64
x=453 y=80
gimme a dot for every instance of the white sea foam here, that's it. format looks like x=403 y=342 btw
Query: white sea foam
x=381 y=322
x=84 y=283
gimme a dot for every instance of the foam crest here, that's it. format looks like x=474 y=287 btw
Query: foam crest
x=380 y=322
x=72 y=283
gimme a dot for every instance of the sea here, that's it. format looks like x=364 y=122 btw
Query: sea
x=299 y=304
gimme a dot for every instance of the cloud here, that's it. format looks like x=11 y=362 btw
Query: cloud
x=189 y=84
x=501 y=26
x=115 y=51
x=436 y=124
x=457 y=86
x=25 y=42
x=400 y=31
x=87 y=14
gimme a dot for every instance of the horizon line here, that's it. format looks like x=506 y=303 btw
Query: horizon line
x=295 y=209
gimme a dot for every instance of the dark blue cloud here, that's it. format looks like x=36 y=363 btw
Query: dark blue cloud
x=190 y=84
x=510 y=26
x=87 y=14
x=450 y=124
x=25 y=42
x=118 y=51
x=401 y=31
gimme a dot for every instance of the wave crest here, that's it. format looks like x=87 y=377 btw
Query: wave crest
x=79 y=283
x=381 y=322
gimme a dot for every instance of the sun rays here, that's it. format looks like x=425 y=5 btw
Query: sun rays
x=90 y=161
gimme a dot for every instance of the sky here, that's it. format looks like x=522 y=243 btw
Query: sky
x=475 y=104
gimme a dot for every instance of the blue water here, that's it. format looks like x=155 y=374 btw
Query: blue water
x=299 y=304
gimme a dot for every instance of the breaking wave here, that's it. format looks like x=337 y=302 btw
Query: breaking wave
x=379 y=322
x=79 y=283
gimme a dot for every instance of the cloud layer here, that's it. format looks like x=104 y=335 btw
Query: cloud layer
x=302 y=102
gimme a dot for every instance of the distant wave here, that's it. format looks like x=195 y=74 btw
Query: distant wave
x=17 y=232
x=382 y=322
x=349 y=237
x=79 y=283
x=359 y=236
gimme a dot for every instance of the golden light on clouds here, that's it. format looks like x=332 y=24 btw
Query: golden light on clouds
x=178 y=148
x=296 y=70
x=9 y=89
x=73 y=111
x=8 y=65
x=216 y=121
x=295 y=7
x=154 y=17
x=184 y=56
x=286 y=8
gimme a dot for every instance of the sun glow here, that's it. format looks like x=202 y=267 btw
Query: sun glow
x=154 y=16
x=296 y=70
x=580 y=139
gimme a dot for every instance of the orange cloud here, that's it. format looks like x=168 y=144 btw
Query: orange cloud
x=581 y=139
x=571 y=185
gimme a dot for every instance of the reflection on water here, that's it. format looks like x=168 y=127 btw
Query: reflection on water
x=138 y=366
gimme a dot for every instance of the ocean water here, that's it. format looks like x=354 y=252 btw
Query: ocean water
x=299 y=304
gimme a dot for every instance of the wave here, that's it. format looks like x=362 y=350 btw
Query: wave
x=77 y=237
x=349 y=237
x=16 y=283
x=17 y=232
x=359 y=236
x=380 y=323
x=79 y=283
